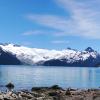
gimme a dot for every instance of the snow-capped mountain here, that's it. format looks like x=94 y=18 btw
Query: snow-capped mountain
x=6 y=58
x=68 y=57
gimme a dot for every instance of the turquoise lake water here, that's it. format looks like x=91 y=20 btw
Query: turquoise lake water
x=26 y=77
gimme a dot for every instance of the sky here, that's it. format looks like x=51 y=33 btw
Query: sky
x=51 y=24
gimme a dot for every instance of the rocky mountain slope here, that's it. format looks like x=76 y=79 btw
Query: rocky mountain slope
x=6 y=58
x=34 y=56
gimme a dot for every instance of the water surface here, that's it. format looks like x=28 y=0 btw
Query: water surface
x=26 y=77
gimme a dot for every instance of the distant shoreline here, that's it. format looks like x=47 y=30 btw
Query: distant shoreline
x=51 y=93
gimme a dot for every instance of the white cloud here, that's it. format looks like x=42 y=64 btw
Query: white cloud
x=26 y=43
x=84 y=16
x=32 y=32
x=59 y=42
x=52 y=21
x=83 y=20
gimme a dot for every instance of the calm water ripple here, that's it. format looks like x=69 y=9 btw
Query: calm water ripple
x=25 y=77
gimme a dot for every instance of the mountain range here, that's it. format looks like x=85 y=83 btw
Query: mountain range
x=11 y=54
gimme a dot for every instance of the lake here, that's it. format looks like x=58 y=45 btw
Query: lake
x=26 y=77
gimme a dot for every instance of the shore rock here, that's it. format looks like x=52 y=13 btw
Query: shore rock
x=51 y=93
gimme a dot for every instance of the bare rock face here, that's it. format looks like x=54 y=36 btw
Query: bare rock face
x=7 y=58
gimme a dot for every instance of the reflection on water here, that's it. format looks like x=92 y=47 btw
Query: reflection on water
x=29 y=76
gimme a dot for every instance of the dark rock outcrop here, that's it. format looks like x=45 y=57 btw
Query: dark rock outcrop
x=6 y=58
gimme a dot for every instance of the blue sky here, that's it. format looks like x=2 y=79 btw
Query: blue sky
x=51 y=24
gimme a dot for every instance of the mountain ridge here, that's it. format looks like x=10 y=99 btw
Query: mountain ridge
x=66 y=57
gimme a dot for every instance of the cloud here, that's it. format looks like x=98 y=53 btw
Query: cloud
x=59 y=42
x=52 y=21
x=32 y=32
x=84 y=15
x=83 y=19
x=26 y=43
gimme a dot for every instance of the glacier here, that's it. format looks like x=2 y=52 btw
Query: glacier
x=66 y=57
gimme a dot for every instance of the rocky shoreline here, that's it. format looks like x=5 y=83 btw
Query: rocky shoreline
x=51 y=93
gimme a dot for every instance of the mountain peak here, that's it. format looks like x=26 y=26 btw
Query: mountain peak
x=71 y=49
x=89 y=49
x=6 y=44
